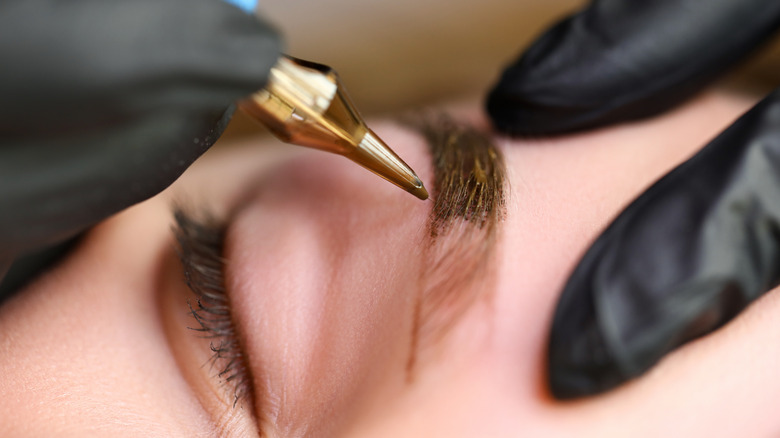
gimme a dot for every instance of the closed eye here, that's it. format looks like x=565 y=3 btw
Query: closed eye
x=200 y=245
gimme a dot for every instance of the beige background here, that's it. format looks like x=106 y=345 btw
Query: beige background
x=395 y=54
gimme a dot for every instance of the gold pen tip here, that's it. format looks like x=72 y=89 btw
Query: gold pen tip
x=326 y=119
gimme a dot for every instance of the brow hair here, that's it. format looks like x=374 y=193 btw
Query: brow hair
x=469 y=198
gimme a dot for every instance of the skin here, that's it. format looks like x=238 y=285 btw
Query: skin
x=322 y=263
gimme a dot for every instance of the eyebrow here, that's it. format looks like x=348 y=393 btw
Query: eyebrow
x=469 y=195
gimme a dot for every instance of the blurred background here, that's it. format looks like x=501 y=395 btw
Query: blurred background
x=392 y=54
x=398 y=54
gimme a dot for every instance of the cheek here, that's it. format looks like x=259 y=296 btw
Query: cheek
x=82 y=349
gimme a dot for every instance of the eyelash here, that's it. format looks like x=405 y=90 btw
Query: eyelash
x=200 y=250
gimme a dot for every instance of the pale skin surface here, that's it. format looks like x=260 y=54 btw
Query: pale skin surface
x=321 y=262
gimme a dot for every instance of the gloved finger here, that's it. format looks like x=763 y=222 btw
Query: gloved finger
x=683 y=259
x=619 y=60
x=82 y=64
x=106 y=103
x=53 y=188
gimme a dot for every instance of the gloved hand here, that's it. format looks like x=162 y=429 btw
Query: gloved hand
x=703 y=242
x=106 y=103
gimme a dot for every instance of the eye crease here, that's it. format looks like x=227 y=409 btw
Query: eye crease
x=200 y=245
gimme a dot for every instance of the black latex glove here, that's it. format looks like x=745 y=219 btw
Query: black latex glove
x=703 y=242
x=105 y=103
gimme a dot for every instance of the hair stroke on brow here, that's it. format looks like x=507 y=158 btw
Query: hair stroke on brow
x=469 y=175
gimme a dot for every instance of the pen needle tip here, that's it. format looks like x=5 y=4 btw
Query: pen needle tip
x=420 y=191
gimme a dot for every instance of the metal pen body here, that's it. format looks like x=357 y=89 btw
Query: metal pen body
x=305 y=104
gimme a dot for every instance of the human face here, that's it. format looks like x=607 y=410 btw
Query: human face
x=324 y=264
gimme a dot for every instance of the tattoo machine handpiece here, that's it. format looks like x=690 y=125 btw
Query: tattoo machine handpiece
x=304 y=103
